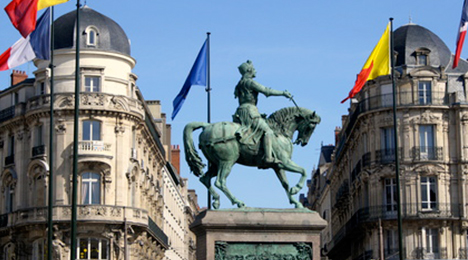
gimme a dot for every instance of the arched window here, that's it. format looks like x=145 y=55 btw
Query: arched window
x=90 y=188
x=8 y=188
x=93 y=248
x=39 y=191
x=92 y=36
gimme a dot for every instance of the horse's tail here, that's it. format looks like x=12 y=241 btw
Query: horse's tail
x=191 y=155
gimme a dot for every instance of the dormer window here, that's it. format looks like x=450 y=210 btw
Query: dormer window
x=422 y=56
x=92 y=36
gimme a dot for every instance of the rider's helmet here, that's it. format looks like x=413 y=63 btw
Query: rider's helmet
x=246 y=67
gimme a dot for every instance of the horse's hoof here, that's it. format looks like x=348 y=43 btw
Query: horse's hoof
x=215 y=205
x=241 y=205
x=299 y=206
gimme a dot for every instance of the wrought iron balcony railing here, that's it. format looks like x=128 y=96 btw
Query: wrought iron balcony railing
x=389 y=212
x=426 y=153
x=403 y=99
x=7 y=113
x=10 y=160
x=38 y=150
x=157 y=232
x=385 y=156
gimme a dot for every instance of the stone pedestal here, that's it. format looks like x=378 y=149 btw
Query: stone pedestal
x=254 y=233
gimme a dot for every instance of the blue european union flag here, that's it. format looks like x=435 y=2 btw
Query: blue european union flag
x=197 y=76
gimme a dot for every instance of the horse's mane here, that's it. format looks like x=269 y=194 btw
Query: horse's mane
x=281 y=118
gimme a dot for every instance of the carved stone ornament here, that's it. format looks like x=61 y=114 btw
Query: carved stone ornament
x=252 y=251
x=60 y=126
x=93 y=99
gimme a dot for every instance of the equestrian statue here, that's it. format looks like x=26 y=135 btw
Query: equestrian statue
x=252 y=139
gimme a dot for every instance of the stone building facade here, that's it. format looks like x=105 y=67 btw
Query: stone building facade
x=432 y=121
x=124 y=154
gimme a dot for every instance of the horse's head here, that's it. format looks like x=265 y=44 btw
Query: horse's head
x=306 y=127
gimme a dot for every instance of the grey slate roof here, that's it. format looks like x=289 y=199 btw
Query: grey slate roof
x=111 y=36
x=412 y=37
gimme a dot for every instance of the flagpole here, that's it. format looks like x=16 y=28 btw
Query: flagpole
x=208 y=93
x=51 y=141
x=75 y=134
x=395 y=130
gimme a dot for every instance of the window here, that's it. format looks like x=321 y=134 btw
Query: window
x=391 y=242
x=425 y=92
x=432 y=240
x=11 y=145
x=386 y=95
x=92 y=84
x=428 y=193
x=14 y=99
x=90 y=188
x=9 y=197
x=39 y=191
x=422 y=59
x=91 y=130
x=39 y=249
x=426 y=141
x=391 y=195
x=387 y=143
x=38 y=138
x=40 y=88
x=92 y=37
x=92 y=248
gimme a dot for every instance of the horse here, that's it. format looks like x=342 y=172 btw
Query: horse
x=221 y=147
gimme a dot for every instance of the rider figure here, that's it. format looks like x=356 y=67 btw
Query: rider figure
x=247 y=113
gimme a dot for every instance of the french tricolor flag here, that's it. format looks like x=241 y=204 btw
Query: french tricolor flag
x=461 y=33
x=35 y=45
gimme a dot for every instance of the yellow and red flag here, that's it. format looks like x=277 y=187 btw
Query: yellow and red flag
x=378 y=64
x=23 y=13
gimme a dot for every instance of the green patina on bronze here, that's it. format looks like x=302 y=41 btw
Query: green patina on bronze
x=262 y=251
x=251 y=140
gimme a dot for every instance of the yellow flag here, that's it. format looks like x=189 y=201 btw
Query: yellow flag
x=41 y=4
x=380 y=56
x=378 y=64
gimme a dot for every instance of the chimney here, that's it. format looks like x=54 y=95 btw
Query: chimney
x=337 y=135
x=175 y=157
x=18 y=76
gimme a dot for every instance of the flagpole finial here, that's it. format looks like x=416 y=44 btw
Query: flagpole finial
x=208 y=33
x=391 y=19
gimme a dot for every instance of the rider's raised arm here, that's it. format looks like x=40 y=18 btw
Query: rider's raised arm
x=268 y=91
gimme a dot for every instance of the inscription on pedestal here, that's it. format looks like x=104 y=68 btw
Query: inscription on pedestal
x=262 y=251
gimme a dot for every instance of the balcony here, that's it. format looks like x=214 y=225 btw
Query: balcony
x=403 y=99
x=38 y=151
x=86 y=213
x=409 y=211
x=386 y=156
x=157 y=232
x=389 y=212
x=7 y=113
x=93 y=148
x=426 y=153
x=9 y=160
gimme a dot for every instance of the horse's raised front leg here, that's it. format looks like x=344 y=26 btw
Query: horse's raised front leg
x=206 y=180
x=284 y=182
x=224 y=169
x=291 y=166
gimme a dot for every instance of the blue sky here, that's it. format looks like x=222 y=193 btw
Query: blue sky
x=314 y=49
